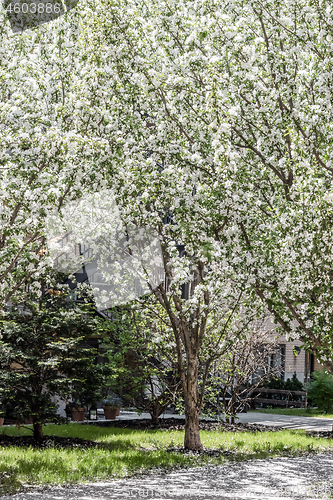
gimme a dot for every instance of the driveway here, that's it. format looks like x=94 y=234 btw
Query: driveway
x=301 y=478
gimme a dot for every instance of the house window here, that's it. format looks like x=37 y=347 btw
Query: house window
x=277 y=360
x=275 y=363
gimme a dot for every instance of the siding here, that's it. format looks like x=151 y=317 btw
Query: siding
x=293 y=363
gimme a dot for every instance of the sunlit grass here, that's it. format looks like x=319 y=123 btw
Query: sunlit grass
x=122 y=452
x=299 y=412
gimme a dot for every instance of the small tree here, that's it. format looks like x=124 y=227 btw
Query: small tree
x=144 y=362
x=320 y=390
x=240 y=371
x=44 y=353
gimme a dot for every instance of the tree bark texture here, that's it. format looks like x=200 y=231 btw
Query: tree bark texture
x=192 y=439
x=38 y=431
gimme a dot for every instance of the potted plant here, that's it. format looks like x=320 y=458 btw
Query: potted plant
x=110 y=407
x=117 y=402
x=78 y=410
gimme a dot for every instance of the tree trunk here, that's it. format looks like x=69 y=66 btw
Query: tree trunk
x=192 y=433
x=155 y=411
x=38 y=431
x=155 y=419
x=191 y=399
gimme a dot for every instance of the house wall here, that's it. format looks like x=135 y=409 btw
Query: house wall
x=317 y=365
x=294 y=363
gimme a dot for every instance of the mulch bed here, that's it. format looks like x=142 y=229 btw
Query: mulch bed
x=322 y=434
x=178 y=424
x=206 y=451
x=46 y=442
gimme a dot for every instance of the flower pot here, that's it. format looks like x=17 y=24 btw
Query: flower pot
x=110 y=413
x=118 y=410
x=78 y=414
x=1 y=421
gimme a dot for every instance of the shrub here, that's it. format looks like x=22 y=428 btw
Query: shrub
x=320 y=391
x=143 y=360
x=274 y=383
x=293 y=384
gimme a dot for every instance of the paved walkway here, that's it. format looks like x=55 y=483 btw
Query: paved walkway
x=302 y=478
x=286 y=421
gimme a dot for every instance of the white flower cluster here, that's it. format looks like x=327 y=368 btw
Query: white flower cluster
x=212 y=122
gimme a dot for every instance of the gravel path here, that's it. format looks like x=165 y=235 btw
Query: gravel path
x=301 y=478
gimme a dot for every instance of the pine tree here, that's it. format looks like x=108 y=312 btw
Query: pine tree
x=44 y=354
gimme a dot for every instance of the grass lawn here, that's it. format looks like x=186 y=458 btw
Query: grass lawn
x=299 y=412
x=123 y=452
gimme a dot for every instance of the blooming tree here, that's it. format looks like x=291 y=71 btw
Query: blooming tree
x=213 y=123
x=202 y=310
x=225 y=151
x=53 y=140
x=238 y=95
